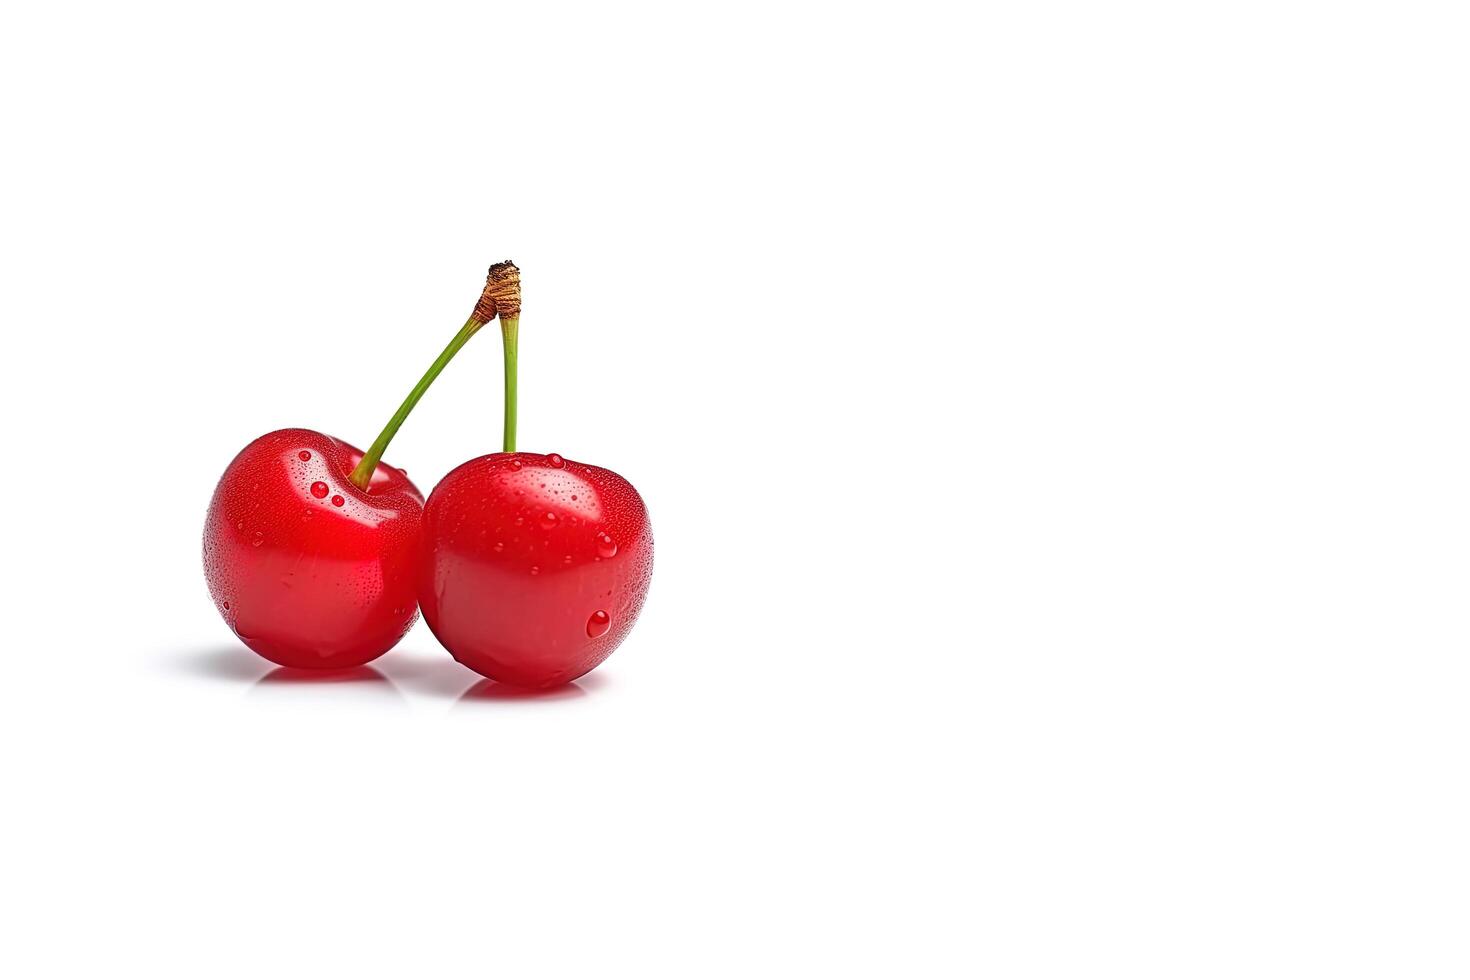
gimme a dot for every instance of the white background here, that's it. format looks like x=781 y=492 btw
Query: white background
x=1053 y=418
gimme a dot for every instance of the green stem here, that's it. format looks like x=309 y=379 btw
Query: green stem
x=364 y=471
x=509 y=330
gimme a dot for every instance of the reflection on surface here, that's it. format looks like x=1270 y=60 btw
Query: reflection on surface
x=488 y=690
x=347 y=675
x=348 y=684
x=237 y=665
x=435 y=675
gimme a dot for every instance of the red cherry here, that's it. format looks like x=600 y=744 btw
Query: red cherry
x=310 y=545
x=533 y=568
x=307 y=581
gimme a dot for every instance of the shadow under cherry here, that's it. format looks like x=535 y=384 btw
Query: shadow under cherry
x=434 y=675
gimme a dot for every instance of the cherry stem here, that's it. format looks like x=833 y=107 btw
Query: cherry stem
x=363 y=473
x=509 y=331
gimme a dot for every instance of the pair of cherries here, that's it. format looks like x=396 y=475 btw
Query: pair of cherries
x=529 y=568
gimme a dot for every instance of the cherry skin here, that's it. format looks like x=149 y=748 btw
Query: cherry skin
x=307 y=569
x=533 y=568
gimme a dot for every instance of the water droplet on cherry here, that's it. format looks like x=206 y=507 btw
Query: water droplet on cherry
x=555 y=460
x=598 y=623
x=515 y=464
x=535 y=569
x=303 y=455
x=337 y=500
x=319 y=489
x=606 y=546
x=548 y=521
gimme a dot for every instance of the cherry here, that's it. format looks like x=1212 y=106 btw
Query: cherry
x=309 y=569
x=534 y=568
x=310 y=545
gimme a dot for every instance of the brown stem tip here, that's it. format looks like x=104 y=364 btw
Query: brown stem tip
x=502 y=293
